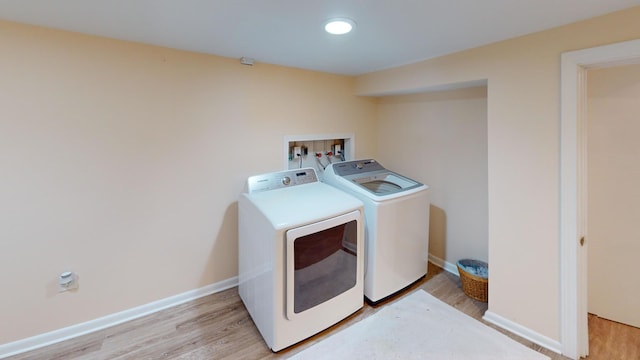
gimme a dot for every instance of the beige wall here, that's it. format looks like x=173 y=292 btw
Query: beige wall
x=613 y=193
x=440 y=139
x=111 y=156
x=523 y=153
x=123 y=162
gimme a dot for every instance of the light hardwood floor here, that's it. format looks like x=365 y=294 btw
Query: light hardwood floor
x=219 y=327
x=609 y=340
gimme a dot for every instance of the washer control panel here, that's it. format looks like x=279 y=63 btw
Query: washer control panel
x=356 y=167
x=282 y=179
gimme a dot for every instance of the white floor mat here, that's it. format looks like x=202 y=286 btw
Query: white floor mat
x=419 y=326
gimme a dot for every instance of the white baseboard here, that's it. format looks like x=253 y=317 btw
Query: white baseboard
x=498 y=320
x=522 y=331
x=447 y=266
x=38 y=341
x=73 y=331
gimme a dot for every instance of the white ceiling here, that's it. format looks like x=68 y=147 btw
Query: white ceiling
x=389 y=33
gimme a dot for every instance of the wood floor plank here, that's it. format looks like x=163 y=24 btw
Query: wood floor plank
x=89 y=344
x=610 y=340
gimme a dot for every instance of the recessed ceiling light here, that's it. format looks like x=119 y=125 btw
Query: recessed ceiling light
x=339 y=26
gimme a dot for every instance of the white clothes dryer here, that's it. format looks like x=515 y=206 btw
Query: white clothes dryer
x=396 y=212
x=301 y=255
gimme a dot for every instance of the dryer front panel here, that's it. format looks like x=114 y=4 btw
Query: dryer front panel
x=322 y=262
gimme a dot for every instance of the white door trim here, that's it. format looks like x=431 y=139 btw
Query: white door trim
x=574 y=335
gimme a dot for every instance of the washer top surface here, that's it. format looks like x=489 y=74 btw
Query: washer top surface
x=371 y=179
x=293 y=198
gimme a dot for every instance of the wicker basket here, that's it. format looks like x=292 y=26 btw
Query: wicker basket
x=475 y=286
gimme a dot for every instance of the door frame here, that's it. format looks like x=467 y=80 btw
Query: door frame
x=574 y=335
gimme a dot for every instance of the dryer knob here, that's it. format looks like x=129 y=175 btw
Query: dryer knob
x=286 y=180
x=359 y=165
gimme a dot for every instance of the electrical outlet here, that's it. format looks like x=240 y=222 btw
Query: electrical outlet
x=67 y=281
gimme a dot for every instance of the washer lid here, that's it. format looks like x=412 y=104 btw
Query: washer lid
x=384 y=183
x=381 y=187
x=371 y=178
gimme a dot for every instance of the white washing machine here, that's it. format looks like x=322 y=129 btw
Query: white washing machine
x=396 y=212
x=301 y=255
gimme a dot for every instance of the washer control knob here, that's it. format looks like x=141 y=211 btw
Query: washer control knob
x=359 y=165
x=286 y=180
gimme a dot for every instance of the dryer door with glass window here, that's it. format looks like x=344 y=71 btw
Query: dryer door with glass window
x=321 y=262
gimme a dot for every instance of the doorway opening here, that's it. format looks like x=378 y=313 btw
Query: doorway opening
x=574 y=66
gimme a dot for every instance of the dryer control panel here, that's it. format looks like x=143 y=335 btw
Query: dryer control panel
x=282 y=179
